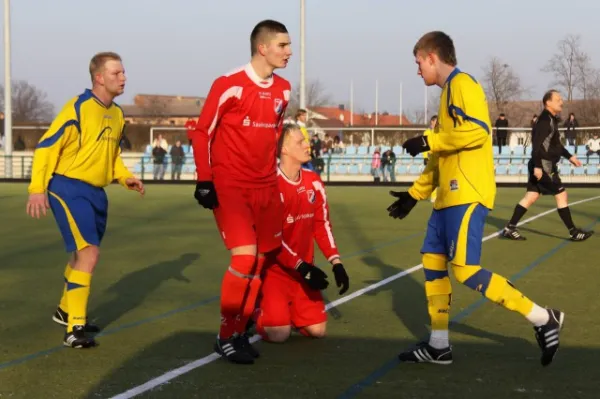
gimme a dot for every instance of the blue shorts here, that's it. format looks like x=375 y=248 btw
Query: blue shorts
x=457 y=232
x=80 y=210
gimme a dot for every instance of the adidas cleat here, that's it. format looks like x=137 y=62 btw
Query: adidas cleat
x=548 y=335
x=425 y=353
x=245 y=345
x=580 y=235
x=232 y=350
x=61 y=317
x=77 y=339
x=512 y=234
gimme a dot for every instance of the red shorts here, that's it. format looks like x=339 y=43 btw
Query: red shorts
x=250 y=216
x=286 y=302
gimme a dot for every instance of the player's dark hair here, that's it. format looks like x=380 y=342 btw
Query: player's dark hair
x=287 y=129
x=433 y=118
x=548 y=96
x=439 y=43
x=100 y=59
x=262 y=32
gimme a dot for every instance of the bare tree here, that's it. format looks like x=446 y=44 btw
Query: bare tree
x=316 y=96
x=501 y=83
x=563 y=64
x=29 y=104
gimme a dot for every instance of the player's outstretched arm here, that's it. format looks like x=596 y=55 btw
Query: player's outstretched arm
x=45 y=158
x=125 y=177
x=427 y=181
x=323 y=234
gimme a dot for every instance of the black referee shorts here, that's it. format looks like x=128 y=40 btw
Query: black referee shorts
x=549 y=184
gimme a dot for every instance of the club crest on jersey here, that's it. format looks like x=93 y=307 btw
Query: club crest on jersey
x=311 y=196
x=278 y=102
x=453 y=185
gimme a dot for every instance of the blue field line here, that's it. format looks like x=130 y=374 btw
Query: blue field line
x=192 y=306
x=372 y=378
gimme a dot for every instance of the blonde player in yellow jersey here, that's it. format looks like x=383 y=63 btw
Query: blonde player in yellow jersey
x=427 y=132
x=461 y=166
x=74 y=160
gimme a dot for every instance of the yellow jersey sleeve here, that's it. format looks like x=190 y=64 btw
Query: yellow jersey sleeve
x=467 y=106
x=63 y=130
x=427 y=181
x=427 y=132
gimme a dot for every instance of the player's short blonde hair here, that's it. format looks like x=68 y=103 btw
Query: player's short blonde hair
x=439 y=43
x=287 y=129
x=98 y=61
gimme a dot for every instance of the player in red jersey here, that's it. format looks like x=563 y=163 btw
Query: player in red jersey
x=235 y=150
x=290 y=294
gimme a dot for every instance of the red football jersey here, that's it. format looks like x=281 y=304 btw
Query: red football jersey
x=235 y=140
x=306 y=220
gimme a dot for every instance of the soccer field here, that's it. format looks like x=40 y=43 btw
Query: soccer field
x=156 y=288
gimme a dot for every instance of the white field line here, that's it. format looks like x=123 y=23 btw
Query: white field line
x=172 y=374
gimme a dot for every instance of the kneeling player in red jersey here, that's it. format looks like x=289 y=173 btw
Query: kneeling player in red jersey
x=290 y=293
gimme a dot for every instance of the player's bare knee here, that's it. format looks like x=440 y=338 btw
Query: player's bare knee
x=530 y=198
x=317 y=330
x=87 y=258
x=244 y=250
x=278 y=334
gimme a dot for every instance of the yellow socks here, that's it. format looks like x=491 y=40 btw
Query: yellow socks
x=439 y=293
x=64 y=305
x=78 y=292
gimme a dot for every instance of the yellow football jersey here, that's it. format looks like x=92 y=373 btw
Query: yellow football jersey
x=462 y=161
x=82 y=143
x=427 y=133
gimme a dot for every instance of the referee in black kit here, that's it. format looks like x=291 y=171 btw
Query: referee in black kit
x=546 y=150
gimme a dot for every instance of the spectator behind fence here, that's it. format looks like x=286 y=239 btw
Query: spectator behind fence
x=338 y=145
x=177 y=159
x=388 y=161
x=160 y=142
x=158 y=157
x=501 y=132
x=571 y=135
x=592 y=147
x=376 y=165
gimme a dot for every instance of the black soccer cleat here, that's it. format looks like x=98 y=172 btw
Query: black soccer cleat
x=580 y=235
x=245 y=345
x=77 y=339
x=548 y=335
x=61 y=317
x=231 y=350
x=425 y=353
x=512 y=234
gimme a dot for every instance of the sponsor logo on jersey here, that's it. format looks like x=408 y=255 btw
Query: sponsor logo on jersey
x=290 y=219
x=246 y=121
x=264 y=95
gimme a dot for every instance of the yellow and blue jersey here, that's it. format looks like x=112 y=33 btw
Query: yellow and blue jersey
x=83 y=144
x=461 y=163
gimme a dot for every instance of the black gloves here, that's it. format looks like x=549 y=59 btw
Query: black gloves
x=341 y=277
x=416 y=145
x=314 y=277
x=402 y=206
x=206 y=195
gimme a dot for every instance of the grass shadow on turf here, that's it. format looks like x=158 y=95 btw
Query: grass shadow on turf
x=304 y=368
x=131 y=291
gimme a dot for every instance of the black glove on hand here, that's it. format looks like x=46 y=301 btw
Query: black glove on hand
x=206 y=195
x=403 y=206
x=341 y=277
x=416 y=145
x=314 y=277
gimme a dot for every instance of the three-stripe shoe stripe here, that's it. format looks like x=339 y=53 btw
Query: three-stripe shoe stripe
x=551 y=338
x=422 y=355
x=228 y=349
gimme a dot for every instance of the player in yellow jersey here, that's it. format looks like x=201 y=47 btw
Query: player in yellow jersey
x=74 y=160
x=427 y=132
x=461 y=165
